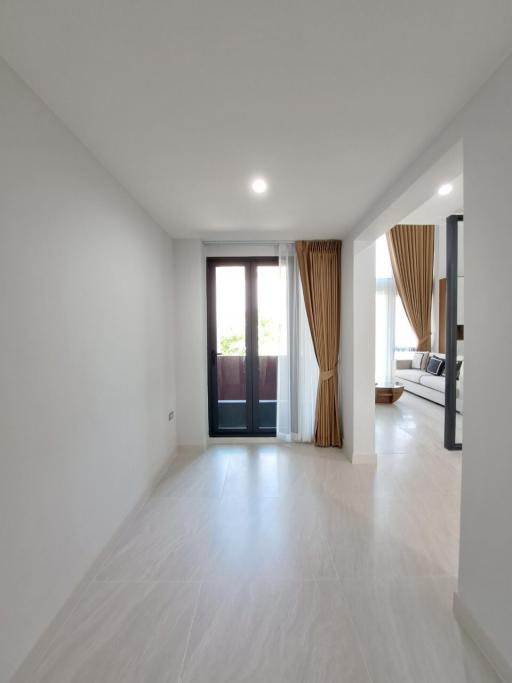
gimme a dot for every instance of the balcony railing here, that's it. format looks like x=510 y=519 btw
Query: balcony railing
x=232 y=380
x=232 y=391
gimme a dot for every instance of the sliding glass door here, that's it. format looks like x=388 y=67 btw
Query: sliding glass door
x=243 y=333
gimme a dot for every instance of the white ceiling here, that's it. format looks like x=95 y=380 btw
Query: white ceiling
x=185 y=100
x=437 y=208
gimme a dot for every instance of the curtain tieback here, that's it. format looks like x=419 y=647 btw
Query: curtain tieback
x=327 y=374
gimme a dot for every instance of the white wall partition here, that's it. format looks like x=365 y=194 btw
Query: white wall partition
x=358 y=350
x=86 y=362
x=484 y=596
x=485 y=586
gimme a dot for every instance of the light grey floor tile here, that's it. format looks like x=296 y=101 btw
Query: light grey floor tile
x=273 y=471
x=309 y=569
x=253 y=538
x=201 y=476
x=119 y=632
x=161 y=527
x=291 y=632
x=193 y=539
x=408 y=426
x=408 y=632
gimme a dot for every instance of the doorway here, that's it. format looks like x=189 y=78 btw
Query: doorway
x=243 y=333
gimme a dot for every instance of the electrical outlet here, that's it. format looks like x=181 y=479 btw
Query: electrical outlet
x=171 y=415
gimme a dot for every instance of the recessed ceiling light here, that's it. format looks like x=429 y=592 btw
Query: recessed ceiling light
x=445 y=189
x=259 y=185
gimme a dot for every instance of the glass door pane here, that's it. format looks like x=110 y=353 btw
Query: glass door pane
x=268 y=316
x=231 y=348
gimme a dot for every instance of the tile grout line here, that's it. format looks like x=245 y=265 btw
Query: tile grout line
x=189 y=635
x=331 y=555
x=228 y=468
x=356 y=633
x=351 y=621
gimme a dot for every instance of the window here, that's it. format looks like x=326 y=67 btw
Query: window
x=405 y=339
x=394 y=337
x=243 y=337
x=383 y=269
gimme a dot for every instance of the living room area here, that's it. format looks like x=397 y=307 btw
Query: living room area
x=411 y=268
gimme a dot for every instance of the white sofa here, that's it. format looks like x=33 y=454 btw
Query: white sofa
x=428 y=386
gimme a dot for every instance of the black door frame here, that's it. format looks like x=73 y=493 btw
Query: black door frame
x=450 y=405
x=250 y=263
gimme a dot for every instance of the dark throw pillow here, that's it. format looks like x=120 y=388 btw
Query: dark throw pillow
x=435 y=366
x=457 y=372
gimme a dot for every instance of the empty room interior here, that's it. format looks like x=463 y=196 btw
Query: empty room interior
x=255 y=275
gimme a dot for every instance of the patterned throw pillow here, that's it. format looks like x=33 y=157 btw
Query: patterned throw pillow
x=435 y=366
x=419 y=360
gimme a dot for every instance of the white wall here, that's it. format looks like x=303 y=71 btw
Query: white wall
x=485 y=586
x=441 y=250
x=86 y=369
x=358 y=350
x=485 y=126
x=239 y=249
x=191 y=368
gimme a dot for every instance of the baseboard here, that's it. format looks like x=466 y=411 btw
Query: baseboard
x=479 y=636
x=216 y=440
x=190 y=449
x=361 y=458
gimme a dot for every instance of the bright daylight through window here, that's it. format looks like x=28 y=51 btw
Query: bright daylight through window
x=231 y=311
x=394 y=337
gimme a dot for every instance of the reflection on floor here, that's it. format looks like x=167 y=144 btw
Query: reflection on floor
x=413 y=425
x=281 y=563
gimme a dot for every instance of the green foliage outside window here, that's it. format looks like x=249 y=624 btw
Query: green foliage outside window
x=232 y=345
x=268 y=334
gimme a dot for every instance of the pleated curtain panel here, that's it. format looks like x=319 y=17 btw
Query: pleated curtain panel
x=411 y=248
x=297 y=368
x=320 y=274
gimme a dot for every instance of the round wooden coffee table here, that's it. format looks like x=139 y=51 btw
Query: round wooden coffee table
x=388 y=392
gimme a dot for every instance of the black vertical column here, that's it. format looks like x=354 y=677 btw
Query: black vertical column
x=450 y=408
x=252 y=360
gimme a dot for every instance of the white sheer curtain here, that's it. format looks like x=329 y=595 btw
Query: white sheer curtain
x=385 y=328
x=297 y=368
x=385 y=313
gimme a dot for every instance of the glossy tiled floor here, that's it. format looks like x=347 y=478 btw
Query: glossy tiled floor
x=279 y=563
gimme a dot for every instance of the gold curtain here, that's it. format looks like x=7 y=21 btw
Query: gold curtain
x=411 y=248
x=320 y=274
